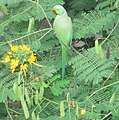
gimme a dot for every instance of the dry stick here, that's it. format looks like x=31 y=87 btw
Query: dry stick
x=110 y=32
x=106 y=116
x=10 y=19
x=102 y=88
x=43 y=13
x=75 y=50
x=111 y=73
x=51 y=53
x=58 y=53
x=49 y=29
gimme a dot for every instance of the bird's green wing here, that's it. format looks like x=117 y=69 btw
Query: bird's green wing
x=63 y=28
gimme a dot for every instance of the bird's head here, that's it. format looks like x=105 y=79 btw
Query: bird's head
x=58 y=10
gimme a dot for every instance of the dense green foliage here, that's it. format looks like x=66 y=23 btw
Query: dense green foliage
x=92 y=73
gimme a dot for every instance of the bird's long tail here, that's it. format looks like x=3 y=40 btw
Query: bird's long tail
x=64 y=59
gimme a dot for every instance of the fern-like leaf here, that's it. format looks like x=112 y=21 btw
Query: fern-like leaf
x=89 y=67
x=92 y=23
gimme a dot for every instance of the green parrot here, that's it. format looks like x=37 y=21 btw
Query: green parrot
x=63 y=28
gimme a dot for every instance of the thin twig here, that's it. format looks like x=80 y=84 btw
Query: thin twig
x=8 y=111
x=49 y=29
x=75 y=50
x=45 y=34
x=101 y=89
x=43 y=13
x=58 y=54
x=110 y=33
x=111 y=73
x=106 y=116
x=14 y=111
x=44 y=107
x=38 y=64
x=50 y=101
x=38 y=105
x=10 y=19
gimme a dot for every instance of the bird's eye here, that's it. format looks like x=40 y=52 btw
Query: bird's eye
x=53 y=11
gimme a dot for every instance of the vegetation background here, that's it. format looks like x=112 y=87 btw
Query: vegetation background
x=90 y=90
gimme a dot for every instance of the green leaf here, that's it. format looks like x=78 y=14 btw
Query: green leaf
x=3 y=93
x=56 y=90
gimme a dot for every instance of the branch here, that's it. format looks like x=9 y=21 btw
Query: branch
x=49 y=29
x=111 y=73
x=43 y=13
x=110 y=33
x=101 y=89
x=104 y=118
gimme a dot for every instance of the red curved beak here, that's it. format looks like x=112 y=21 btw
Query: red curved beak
x=53 y=11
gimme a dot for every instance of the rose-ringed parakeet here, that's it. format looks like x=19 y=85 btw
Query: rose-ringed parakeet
x=63 y=28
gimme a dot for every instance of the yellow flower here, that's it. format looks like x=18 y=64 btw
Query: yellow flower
x=14 y=48
x=23 y=67
x=20 y=54
x=12 y=69
x=14 y=64
x=9 y=53
x=83 y=111
x=24 y=47
x=32 y=58
x=7 y=58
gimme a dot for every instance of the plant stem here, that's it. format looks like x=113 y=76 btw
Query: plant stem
x=111 y=73
x=50 y=101
x=43 y=12
x=110 y=33
x=6 y=105
x=49 y=29
x=101 y=89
